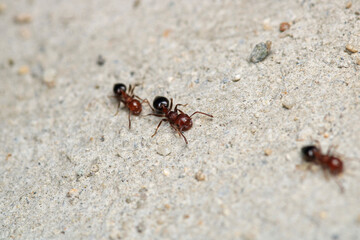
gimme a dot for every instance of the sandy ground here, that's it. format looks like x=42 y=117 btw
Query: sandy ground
x=70 y=169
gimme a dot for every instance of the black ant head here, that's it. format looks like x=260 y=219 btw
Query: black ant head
x=160 y=102
x=309 y=152
x=118 y=88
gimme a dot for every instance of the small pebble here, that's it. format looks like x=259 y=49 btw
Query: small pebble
x=266 y=25
x=253 y=129
x=323 y=215
x=2 y=7
x=358 y=61
x=24 y=70
x=260 y=52
x=94 y=168
x=163 y=150
x=200 y=176
x=288 y=103
x=140 y=228
x=351 y=48
x=166 y=172
x=22 y=18
x=267 y=152
x=162 y=147
x=11 y=62
x=136 y=3
x=284 y=26
x=72 y=193
x=49 y=77
x=348 y=5
x=100 y=60
x=236 y=78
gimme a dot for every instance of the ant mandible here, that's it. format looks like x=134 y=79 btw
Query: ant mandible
x=134 y=105
x=180 y=122
x=334 y=165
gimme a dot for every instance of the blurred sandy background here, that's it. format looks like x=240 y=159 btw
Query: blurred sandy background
x=70 y=169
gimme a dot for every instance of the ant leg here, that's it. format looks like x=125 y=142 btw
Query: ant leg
x=132 y=90
x=162 y=120
x=331 y=149
x=171 y=103
x=184 y=105
x=179 y=132
x=154 y=114
x=317 y=144
x=148 y=103
x=129 y=120
x=326 y=175
x=342 y=190
x=145 y=101
x=201 y=113
x=117 y=111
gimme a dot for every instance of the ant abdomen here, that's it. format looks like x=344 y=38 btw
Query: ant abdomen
x=335 y=165
x=184 y=122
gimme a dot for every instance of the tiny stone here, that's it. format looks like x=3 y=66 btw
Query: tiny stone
x=25 y=33
x=49 y=77
x=358 y=61
x=323 y=214
x=22 y=18
x=236 y=78
x=140 y=228
x=284 y=26
x=11 y=62
x=95 y=168
x=166 y=172
x=268 y=152
x=23 y=70
x=100 y=60
x=200 y=176
x=163 y=150
x=2 y=7
x=73 y=192
x=266 y=25
x=128 y=200
x=260 y=52
x=351 y=48
x=288 y=103
x=253 y=129
x=348 y=5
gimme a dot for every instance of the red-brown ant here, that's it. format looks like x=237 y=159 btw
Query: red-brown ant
x=327 y=161
x=180 y=122
x=128 y=99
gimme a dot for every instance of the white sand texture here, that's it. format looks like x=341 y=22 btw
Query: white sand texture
x=72 y=169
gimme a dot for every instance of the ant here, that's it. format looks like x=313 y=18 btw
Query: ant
x=180 y=122
x=327 y=161
x=128 y=99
